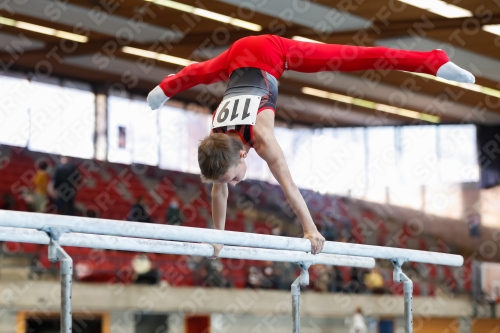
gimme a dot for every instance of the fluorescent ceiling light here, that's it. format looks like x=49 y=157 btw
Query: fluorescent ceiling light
x=469 y=86
x=304 y=39
x=157 y=56
x=43 y=30
x=440 y=7
x=207 y=14
x=492 y=28
x=371 y=105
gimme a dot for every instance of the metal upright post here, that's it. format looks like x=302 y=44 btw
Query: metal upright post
x=301 y=280
x=296 y=305
x=56 y=253
x=398 y=277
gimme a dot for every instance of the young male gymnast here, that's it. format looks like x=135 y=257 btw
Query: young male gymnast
x=245 y=117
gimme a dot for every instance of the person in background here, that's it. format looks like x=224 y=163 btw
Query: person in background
x=323 y=278
x=215 y=275
x=200 y=275
x=337 y=285
x=286 y=273
x=65 y=185
x=41 y=182
x=374 y=282
x=173 y=215
x=8 y=202
x=254 y=278
x=328 y=230
x=92 y=213
x=278 y=231
x=144 y=272
x=358 y=324
x=138 y=212
x=357 y=283
x=272 y=276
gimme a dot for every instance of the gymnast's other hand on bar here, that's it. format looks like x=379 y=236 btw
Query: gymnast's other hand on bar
x=317 y=241
x=217 y=249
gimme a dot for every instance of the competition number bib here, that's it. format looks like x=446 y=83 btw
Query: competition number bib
x=239 y=110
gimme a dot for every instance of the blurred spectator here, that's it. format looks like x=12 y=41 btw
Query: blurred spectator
x=271 y=276
x=277 y=277
x=215 y=275
x=8 y=202
x=287 y=274
x=200 y=275
x=358 y=322
x=337 y=281
x=92 y=213
x=208 y=273
x=82 y=269
x=328 y=230
x=323 y=278
x=254 y=278
x=278 y=231
x=138 y=212
x=64 y=186
x=346 y=232
x=144 y=273
x=173 y=215
x=374 y=281
x=357 y=282
x=40 y=181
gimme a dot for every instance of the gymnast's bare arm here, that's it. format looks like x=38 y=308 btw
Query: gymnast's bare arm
x=269 y=150
x=219 y=208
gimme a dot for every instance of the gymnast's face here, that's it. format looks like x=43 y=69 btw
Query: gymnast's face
x=235 y=174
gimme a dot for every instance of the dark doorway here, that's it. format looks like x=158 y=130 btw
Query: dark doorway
x=52 y=325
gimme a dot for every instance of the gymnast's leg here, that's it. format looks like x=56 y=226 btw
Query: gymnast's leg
x=206 y=72
x=315 y=57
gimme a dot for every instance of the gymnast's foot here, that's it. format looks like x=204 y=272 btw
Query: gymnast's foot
x=156 y=98
x=452 y=72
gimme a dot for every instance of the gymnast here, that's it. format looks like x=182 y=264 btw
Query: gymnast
x=245 y=117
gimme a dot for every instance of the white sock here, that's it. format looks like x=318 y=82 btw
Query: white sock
x=156 y=98
x=452 y=72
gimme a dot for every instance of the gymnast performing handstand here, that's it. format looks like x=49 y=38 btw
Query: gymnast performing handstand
x=245 y=117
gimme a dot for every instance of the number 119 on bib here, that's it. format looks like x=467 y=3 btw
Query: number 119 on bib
x=239 y=110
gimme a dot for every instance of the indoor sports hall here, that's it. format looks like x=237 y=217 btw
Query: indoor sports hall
x=248 y=166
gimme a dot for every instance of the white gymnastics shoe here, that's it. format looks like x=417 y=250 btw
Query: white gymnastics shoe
x=156 y=98
x=452 y=72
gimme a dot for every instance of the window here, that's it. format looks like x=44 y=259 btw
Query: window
x=132 y=131
x=381 y=159
x=173 y=139
x=62 y=118
x=15 y=94
x=418 y=155
x=145 y=137
x=457 y=154
x=119 y=130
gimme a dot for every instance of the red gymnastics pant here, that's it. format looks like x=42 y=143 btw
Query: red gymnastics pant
x=275 y=54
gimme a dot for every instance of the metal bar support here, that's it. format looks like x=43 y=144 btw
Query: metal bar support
x=57 y=253
x=301 y=280
x=399 y=277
